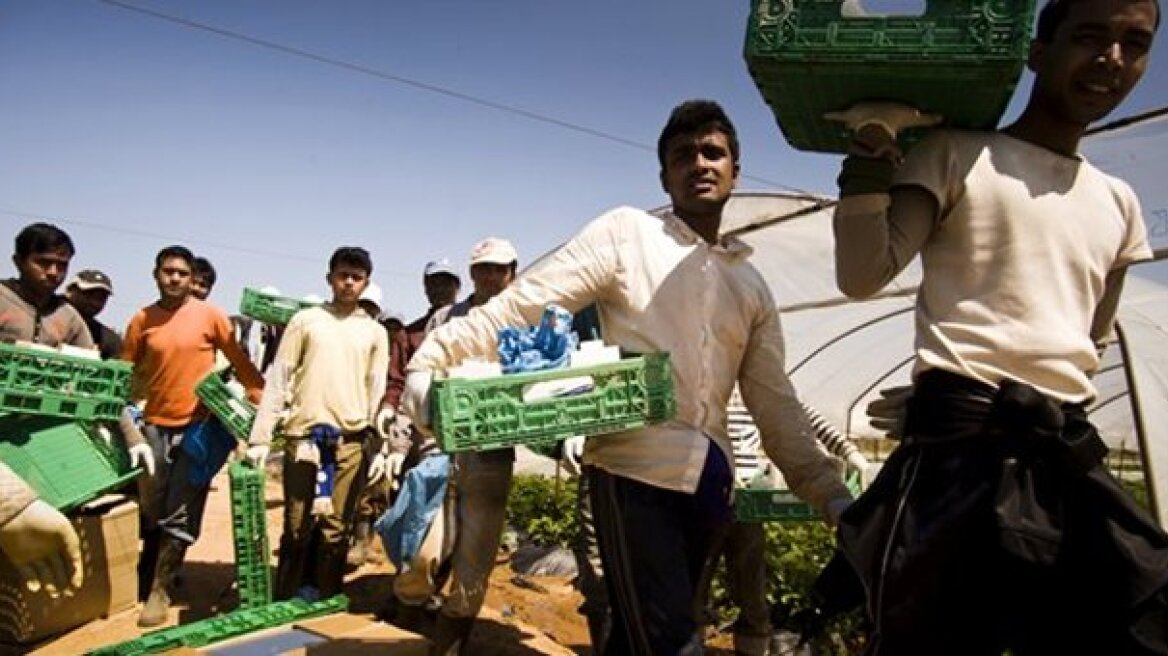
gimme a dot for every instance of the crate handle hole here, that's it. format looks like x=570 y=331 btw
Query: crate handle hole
x=882 y=8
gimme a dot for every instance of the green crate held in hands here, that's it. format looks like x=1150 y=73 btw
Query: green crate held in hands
x=271 y=308
x=489 y=413
x=237 y=414
x=961 y=59
x=47 y=382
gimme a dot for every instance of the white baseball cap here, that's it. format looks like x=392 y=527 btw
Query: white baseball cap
x=493 y=250
x=440 y=265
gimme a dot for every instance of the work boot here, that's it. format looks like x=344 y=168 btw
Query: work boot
x=330 y=570
x=154 y=612
x=451 y=635
x=362 y=541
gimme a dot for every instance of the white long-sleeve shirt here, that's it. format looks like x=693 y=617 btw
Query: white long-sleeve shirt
x=658 y=286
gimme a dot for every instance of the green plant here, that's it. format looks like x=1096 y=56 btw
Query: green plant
x=543 y=510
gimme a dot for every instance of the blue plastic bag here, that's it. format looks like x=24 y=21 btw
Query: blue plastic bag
x=546 y=346
x=404 y=526
x=208 y=443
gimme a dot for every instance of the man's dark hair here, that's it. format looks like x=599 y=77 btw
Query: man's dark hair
x=697 y=117
x=202 y=268
x=181 y=252
x=42 y=238
x=353 y=256
x=1055 y=12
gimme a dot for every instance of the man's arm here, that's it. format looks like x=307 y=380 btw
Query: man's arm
x=575 y=275
x=224 y=340
x=280 y=372
x=15 y=494
x=787 y=436
x=375 y=378
x=1103 y=323
x=877 y=235
x=399 y=355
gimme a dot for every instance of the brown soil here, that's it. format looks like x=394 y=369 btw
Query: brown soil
x=521 y=616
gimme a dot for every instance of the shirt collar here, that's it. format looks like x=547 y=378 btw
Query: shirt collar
x=733 y=247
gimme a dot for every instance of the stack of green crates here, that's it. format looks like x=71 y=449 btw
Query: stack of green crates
x=236 y=414
x=961 y=58
x=270 y=308
x=44 y=382
x=478 y=414
x=754 y=504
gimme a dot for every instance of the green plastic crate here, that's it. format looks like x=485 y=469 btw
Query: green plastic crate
x=489 y=413
x=961 y=58
x=36 y=381
x=270 y=308
x=221 y=627
x=249 y=532
x=775 y=505
x=66 y=462
x=236 y=414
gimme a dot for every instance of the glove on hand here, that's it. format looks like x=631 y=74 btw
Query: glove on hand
x=44 y=547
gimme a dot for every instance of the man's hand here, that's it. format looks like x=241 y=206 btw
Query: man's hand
x=875 y=125
x=889 y=412
x=44 y=547
x=416 y=399
x=141 y=455
x=257 y=454
x=573 y=451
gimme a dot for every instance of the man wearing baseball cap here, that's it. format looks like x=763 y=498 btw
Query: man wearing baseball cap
x=88 y=292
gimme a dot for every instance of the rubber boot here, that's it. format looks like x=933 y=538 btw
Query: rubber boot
x=148 y=562
x=451 y=635
x=290 y=569
x=362 y=540
x=330 y=570
x=154 y=612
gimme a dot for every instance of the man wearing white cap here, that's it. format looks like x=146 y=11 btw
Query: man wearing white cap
x=476 y=504
x=88 y=292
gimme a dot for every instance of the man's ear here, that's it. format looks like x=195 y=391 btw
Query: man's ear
x=1034 y=57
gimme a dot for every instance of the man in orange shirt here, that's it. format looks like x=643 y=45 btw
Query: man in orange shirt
x=172 y=344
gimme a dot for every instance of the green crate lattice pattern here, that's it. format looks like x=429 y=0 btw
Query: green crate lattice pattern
x=236 y=414
x=65 y=461
x=33 y=381
x=220 y=628
x=777 y=505
x=489 y=413
x=249 y=532
x=962 y=58
x=270 y=308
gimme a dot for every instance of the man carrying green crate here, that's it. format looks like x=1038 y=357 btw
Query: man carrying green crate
x=172 y=345
x=475 y=505
x=995 y=526
x=661 y=494
x=330 y=372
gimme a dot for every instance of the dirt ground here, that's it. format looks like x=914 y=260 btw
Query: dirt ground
x=521 y=616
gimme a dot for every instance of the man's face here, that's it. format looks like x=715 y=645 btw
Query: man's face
x=200 y=287
x=173 y=278
x=43 y=272
x=441 y=289
x=700 y=172
x=490 y=279
x=1096 y=56
x=89 y=302
x=347 y=282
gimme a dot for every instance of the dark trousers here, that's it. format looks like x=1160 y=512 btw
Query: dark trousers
x=656 y=546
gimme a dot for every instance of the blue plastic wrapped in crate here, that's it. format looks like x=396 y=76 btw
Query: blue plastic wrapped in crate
x=546 y=346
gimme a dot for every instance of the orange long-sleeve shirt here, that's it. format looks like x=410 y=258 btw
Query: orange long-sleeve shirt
x=172 y=350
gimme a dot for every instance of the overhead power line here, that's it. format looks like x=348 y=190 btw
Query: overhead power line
x=399 y=79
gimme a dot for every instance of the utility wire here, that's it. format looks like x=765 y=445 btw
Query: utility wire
x=399 y=79
x=171 y=238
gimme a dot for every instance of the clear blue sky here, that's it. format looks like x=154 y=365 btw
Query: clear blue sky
x=133 y=132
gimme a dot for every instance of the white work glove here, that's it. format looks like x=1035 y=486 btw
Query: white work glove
x=573 y=452
x=141 y=455
x=44 y=547
x=385 y=464
x=384 y=421
x=416 y=399
x=257 y=454
x=889 y=412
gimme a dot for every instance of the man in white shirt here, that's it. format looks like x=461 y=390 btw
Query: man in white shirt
x=661 y=494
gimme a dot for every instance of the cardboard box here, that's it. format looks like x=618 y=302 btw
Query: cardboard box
x=108 y=529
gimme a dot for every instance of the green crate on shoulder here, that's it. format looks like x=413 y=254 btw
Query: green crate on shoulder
x=43 y=382
x=66 y=462
x=271 y=308
x=489 y=413
x=961 y=58
x=236 y=414
x=754 y=504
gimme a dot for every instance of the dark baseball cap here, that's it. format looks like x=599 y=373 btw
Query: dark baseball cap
x=91 y=279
